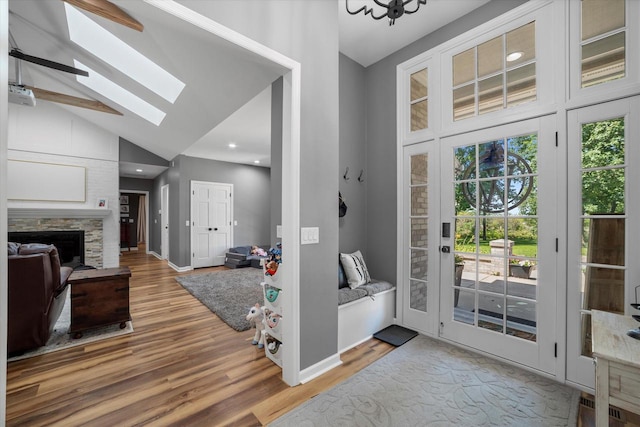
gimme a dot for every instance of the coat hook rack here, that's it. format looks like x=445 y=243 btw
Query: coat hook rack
x=360 y=178
x=346 y=174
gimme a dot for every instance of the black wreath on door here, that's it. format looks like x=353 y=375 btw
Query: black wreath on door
x=342 y=206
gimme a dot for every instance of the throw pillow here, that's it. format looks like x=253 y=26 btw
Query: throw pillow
x=342 y=278
x=355 y=269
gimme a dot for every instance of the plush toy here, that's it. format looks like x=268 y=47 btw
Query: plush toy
x=256 y=318
x=257 y=250
x=271 y=268
x=275 y=254
x=272 y=318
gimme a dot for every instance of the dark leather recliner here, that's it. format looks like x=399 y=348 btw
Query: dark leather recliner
x=37 y=293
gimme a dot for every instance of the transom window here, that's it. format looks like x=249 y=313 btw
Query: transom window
x=496 y=74
x=419 y=100
x=602 y=41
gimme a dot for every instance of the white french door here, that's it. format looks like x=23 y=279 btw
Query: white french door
x=420 y=262
x=603 y=227
x=211 y=223
x=498 y=263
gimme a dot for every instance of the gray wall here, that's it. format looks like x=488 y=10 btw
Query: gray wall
x=353 y=154
x=381 y=137
x=129 y=152
x=251 y=199
x=276 y=158
x=306 y=31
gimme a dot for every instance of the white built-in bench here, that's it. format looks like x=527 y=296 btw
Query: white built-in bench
x=364 y=311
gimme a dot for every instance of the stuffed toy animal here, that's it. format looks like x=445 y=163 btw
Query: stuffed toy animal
x=271 y=268
x=256 y=318
x=272 y=318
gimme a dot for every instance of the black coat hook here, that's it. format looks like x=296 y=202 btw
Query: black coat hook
x=346 y=174
x=360 y=179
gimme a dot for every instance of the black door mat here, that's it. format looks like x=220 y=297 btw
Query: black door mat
x=395 y=335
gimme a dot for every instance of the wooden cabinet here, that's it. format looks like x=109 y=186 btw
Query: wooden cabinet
x=617 y=359
x=99 y=298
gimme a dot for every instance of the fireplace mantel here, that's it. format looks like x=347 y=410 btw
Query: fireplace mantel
x=57 y=213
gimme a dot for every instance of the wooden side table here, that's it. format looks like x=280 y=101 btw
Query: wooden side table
x=99 y=298
x=617 y=359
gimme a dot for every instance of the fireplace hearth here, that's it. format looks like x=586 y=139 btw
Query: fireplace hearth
x=70 y=243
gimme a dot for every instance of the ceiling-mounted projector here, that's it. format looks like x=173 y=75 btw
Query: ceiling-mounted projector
x=21 y=95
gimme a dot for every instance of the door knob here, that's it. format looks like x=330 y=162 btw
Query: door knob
x=215 y=229
x=210 y=228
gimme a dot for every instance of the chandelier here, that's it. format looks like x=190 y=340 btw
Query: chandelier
x=394 y=9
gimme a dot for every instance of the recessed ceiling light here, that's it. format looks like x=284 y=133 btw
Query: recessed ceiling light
x=119 y=95
x=514 y=56
x=257 y=162
x=89 y=35
x=232 y=145
x=138 y=170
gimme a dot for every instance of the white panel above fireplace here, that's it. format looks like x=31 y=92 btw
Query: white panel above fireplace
x=45 y=181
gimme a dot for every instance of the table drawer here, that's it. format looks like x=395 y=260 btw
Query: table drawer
x=624 y=384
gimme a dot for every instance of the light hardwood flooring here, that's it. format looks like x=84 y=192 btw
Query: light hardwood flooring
x=181 y=366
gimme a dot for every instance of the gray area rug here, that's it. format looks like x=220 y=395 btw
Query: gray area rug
x=229 y=294
x=61 y=339
x=431 y=383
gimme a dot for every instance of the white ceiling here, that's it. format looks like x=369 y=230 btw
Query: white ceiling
x=366 y=40
x=224 y=100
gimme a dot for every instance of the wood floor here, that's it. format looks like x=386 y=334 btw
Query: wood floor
x=181 y=366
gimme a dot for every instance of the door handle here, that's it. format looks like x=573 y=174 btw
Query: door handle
x=210 y=228
x=215 y=229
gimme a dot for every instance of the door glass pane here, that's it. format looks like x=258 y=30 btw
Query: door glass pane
x=603 y=60
x=419 y=169
x=419 y=85
x=490 y=57
x=419 y=232
x=497 y=242
x=521 y=45
x=419 y=235
x=464 y=67
x=603 y=222
x=490 y=94
x=521 y=85
x=521 y=319
x=419 y=115
x=601 y=16
x=418 y=298
x=491 y=312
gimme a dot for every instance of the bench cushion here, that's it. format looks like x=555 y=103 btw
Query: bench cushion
x=346 y=295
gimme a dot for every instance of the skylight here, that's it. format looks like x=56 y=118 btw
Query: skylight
x=86 y=33
x=118 y=94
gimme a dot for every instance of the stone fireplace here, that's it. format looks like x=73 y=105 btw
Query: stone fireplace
x=92 y=227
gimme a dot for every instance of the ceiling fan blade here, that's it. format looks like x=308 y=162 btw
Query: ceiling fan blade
x=108 y=10
x=46 y=63
x=75 y=101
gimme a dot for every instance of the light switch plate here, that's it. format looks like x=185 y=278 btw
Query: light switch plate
x=279 y=231
x=309 y=235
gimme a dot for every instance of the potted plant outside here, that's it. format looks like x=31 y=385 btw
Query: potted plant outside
x=520 y=268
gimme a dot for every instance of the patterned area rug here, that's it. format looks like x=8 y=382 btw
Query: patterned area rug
x=229 y=294
x=60 y=338
x=427 y=382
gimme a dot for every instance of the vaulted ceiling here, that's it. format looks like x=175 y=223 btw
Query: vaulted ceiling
x=223 y=84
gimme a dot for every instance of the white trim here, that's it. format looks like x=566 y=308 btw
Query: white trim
x=290 y=173
x=179 y=269
x=4 y=136
x=146 y=200
x=320 y=368
x=155 y=254
x=164 y=220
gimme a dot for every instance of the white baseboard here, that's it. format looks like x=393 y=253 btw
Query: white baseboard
x=180 y=269
x=155 y=254
x=319 y=368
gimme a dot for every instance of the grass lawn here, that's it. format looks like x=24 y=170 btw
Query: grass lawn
x=524 y=248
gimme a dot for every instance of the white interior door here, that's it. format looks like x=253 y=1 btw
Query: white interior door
x=164 y=222
x=211 y=223
x=420 y=261
x=603 y=227
x=499 y=196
